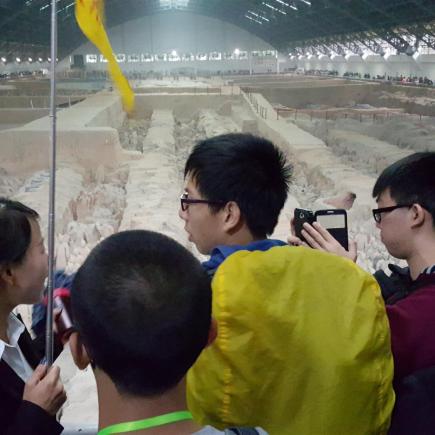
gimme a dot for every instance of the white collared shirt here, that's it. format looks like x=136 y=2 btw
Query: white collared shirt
x=429 y=270
x=11 y=353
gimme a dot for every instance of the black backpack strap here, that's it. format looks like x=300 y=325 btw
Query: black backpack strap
x=396 y=286
x=241 y=431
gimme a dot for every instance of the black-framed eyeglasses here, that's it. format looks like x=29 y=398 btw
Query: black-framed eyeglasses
x=377 y=212
x=186 y=201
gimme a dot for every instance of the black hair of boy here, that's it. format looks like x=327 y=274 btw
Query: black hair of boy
x=15 y=230
x=410 y=180
x=247 y=169
x=142 y=306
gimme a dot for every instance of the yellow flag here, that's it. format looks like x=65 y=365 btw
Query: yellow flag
x=90 y=17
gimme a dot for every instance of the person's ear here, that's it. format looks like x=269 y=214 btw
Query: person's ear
x=78 y=351
x=232 y=216
x=213 y=332
x=418 y=215
x=7 y=275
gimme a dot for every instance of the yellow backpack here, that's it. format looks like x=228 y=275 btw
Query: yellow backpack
x=303 y=347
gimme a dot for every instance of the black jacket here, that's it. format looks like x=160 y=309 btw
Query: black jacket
x=414 y=412
x=19 y=417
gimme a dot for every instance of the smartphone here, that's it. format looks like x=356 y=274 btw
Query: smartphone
x=300 y=217
x=335 y=221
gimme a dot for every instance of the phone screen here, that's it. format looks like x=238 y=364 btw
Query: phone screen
x=335 y=221
x=332 y=220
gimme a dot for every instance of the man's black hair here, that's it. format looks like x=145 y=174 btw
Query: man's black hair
x=247 y=169
x=15 y=230
x=142 y=305
x=410 y=180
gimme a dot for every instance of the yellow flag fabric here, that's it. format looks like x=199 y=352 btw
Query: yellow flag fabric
x=303 y=347
x=90 y=18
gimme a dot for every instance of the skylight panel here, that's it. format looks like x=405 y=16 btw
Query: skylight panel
x=274 y=8
x=47 y=5
x=261 y=17
x=253 y=19
x=174 y=4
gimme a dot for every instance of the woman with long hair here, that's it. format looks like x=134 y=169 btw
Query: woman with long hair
x=30 y=394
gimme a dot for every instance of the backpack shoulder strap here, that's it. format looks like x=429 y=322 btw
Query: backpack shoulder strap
x=396 y=286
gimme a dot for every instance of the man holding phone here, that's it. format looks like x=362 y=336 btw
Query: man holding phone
x=275 y=337
x=405 y=217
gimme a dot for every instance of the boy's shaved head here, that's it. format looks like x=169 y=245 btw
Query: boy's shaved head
x=142 y=305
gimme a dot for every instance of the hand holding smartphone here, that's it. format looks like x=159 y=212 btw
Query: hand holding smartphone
x=334 y=220
x=300 y=217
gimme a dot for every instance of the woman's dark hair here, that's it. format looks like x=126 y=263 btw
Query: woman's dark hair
x=15 y=230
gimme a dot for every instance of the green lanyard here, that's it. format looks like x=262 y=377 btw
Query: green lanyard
x=148 y=423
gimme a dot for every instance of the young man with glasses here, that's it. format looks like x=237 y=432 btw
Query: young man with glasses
x=277 y=307
x=232 y=200
x=405 y=194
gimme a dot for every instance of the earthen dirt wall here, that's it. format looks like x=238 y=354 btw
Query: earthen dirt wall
x=182 y=105
x=14 y=102
x=27 y=151
x=325 y=95
x=21 y=116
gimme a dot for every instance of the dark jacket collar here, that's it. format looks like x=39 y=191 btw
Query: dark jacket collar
x=399 y=284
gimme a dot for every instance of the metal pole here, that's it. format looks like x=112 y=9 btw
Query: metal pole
x=52 y=191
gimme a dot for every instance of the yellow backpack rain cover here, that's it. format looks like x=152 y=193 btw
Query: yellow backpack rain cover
x=303 y=347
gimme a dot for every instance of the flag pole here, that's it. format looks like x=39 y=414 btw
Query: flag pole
x=52 y=190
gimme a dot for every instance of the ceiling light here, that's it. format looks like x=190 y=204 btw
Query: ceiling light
x=274 y=8
x=253 y=19
x=258 y=16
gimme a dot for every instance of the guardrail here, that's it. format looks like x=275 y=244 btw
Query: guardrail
x=363 y=79
x=361 y=115
x=261 y=110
